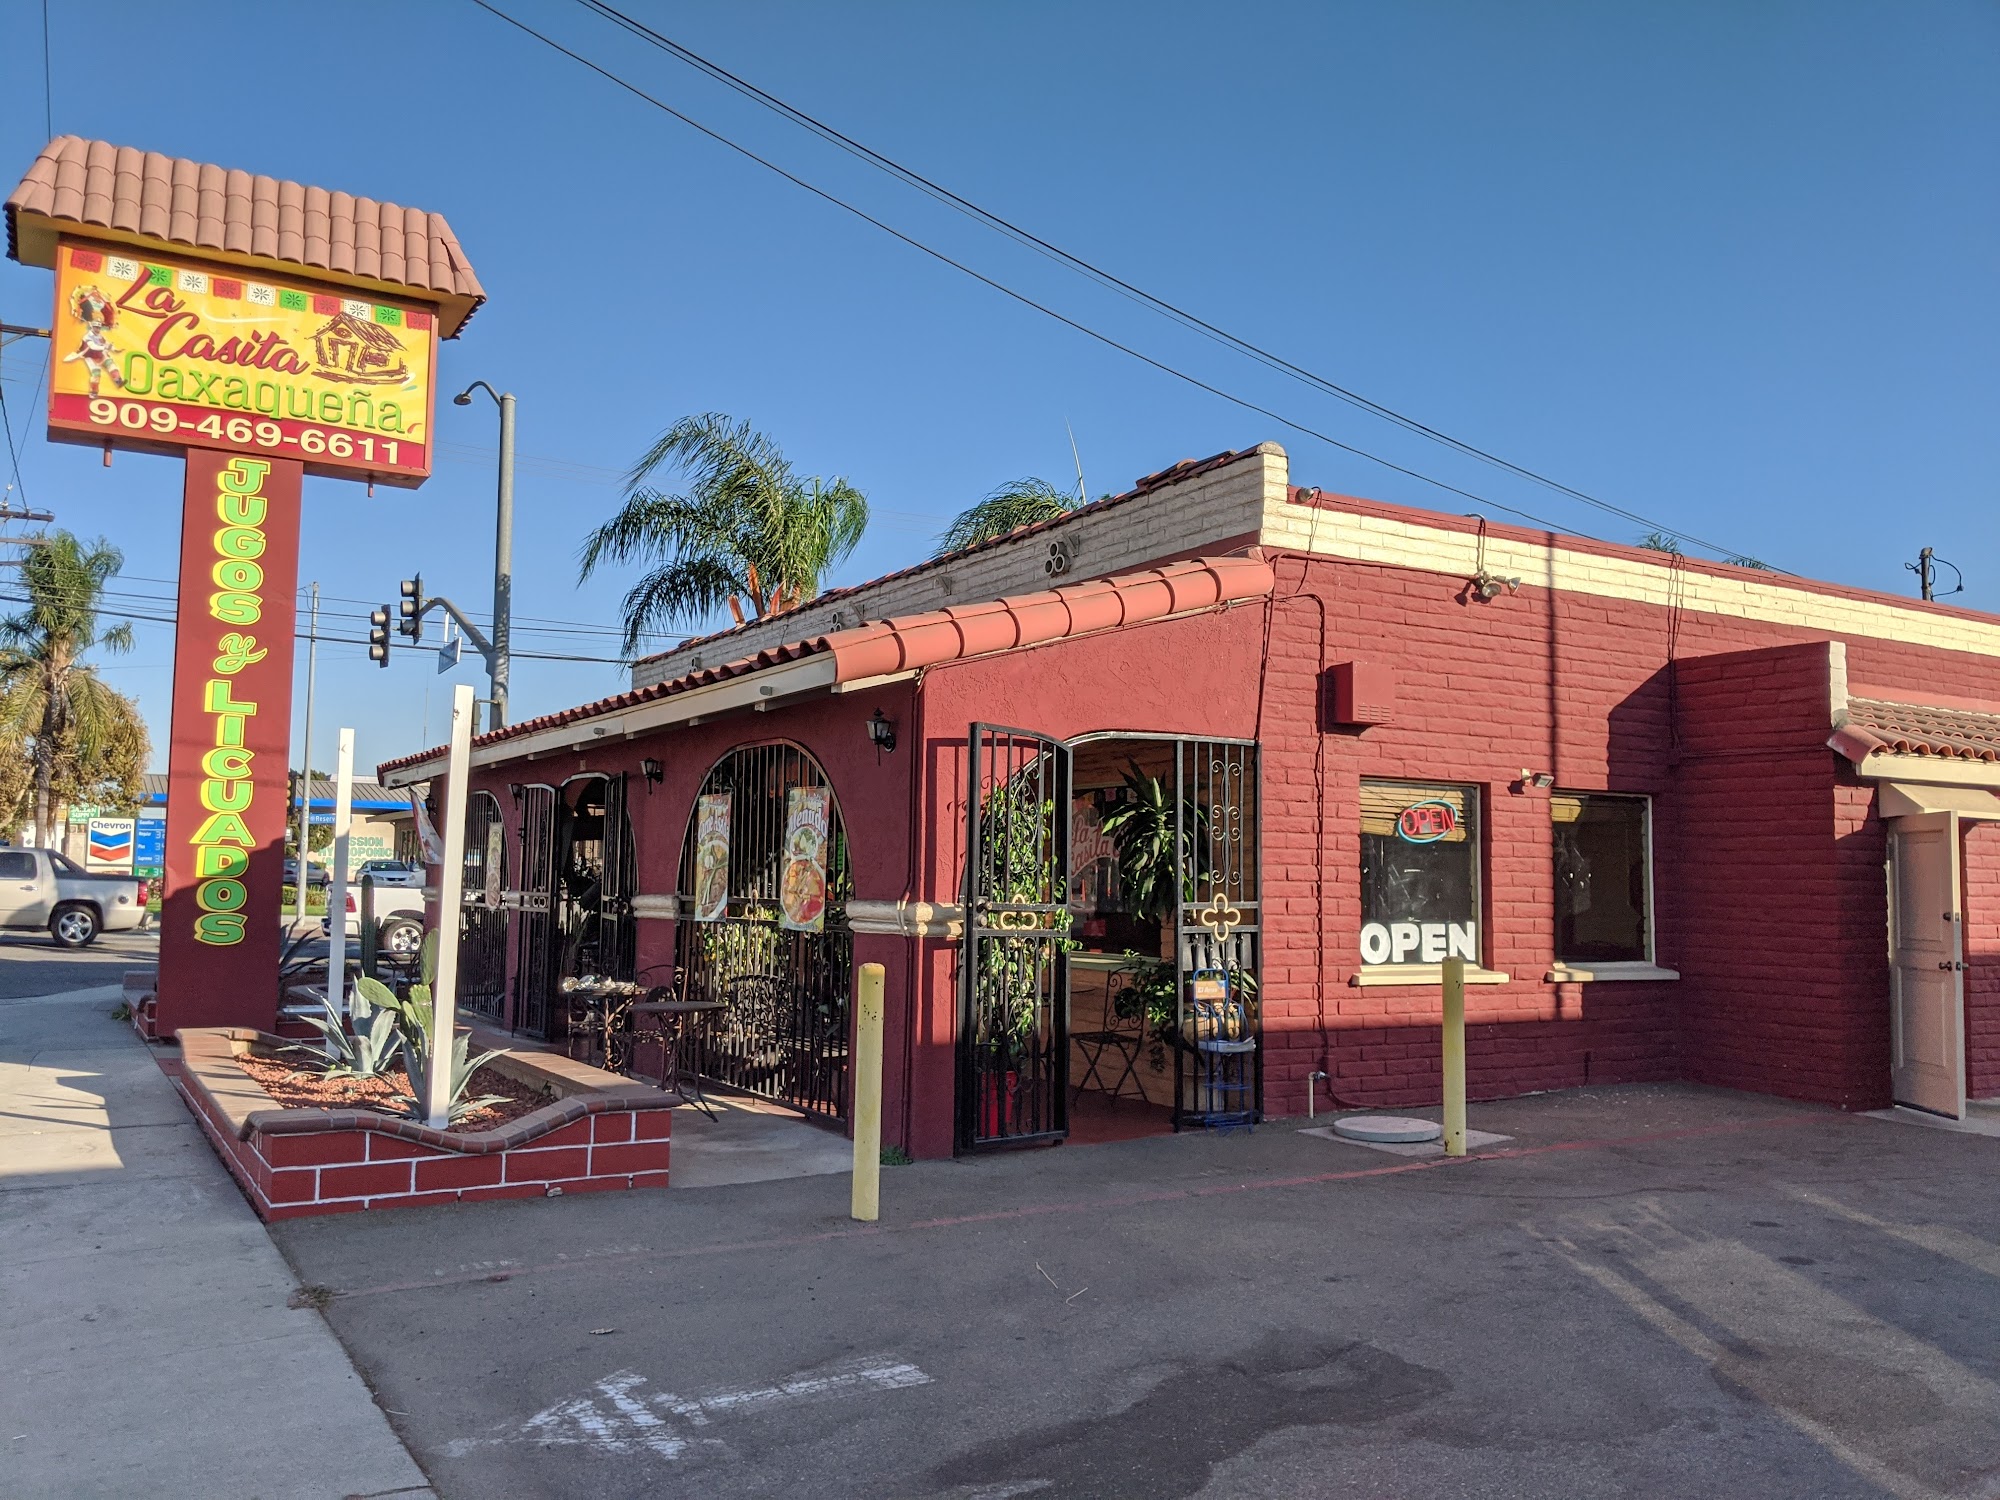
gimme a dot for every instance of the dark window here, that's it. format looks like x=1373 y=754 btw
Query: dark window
x=1603 y=875
x=64 y=864
x=1419 y=872
x=16 y=866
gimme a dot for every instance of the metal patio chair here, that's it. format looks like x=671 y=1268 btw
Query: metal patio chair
x=1122 y=1037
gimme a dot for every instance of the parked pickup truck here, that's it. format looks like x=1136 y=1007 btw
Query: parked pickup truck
x=40 y=888
x=399 y=918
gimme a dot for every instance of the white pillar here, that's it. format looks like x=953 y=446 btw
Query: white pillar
x=444 y=991
x=336 y=893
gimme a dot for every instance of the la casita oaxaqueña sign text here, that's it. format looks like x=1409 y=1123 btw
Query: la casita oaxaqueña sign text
x=263 y=331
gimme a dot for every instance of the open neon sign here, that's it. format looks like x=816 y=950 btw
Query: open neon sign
x=1427 y=822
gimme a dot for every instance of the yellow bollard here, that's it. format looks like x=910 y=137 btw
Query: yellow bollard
x=868 y=1095
x=1454 y=1057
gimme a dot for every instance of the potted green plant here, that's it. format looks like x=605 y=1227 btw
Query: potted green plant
x=1020 y=866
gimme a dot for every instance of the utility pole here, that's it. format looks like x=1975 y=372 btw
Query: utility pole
x=1925 y=567
x=304 y=870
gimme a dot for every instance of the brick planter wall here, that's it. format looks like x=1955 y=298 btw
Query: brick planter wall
x=603 y=1132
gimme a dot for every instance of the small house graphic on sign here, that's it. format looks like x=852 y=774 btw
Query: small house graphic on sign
x=354 y=349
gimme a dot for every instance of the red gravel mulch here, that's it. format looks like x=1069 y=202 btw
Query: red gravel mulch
x=297 y=1088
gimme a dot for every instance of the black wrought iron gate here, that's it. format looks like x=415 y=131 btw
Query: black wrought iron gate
x=482 y=940
x=783 y=1030
x=617 y=934
x=1013 y=1042
x=1218 y=1082
x=536 y=951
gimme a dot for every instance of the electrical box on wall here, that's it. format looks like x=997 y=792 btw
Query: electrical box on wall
x=1357 y=694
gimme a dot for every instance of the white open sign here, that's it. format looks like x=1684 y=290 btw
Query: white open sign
x=1419 y=942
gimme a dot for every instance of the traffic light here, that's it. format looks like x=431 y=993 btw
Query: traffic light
x=378 y=636
x=413 y=608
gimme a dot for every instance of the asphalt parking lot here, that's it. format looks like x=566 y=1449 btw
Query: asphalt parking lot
x=1649 y=1290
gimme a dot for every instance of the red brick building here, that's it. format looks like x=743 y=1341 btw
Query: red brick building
x=1686 y=820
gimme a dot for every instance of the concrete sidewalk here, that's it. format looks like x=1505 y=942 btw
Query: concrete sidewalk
x=151 y=1348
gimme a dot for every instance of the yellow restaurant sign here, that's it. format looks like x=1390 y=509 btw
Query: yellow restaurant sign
x=163 y=353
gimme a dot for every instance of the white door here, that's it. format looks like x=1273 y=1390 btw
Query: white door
x=1927 y=964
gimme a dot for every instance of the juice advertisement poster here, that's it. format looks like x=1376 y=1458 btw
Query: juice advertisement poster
x=802 y=897
x=711 y=857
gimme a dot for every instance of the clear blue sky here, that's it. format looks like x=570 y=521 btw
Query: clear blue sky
x=1729 y=265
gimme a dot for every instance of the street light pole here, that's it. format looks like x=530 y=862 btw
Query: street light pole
x=303 y=870
x=503 y=550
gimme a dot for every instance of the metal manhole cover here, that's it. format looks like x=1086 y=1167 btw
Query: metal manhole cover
x=1391 y=1129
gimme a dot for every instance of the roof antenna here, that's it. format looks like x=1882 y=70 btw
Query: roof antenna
x=1082 y=495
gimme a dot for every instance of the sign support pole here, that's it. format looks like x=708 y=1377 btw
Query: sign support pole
x=451 y=877
x=336 y=892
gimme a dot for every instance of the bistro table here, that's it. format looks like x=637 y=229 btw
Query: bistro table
x=675 y=1019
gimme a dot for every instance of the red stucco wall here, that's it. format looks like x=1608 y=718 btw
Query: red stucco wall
x=873 y=793
x=1768 y=886
x=1769 y=897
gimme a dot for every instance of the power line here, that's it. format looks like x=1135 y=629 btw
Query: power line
x=118 y=613
x=1105 y=278
x=1007 y=291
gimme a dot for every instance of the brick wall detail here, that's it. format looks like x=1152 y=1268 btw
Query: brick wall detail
x=1982 y=960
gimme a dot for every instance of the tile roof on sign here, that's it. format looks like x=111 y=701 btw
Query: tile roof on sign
x=1878 y=724
x=81 y=186
x=909 y=642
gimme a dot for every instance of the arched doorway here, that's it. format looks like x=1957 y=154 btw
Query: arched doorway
x=763 y=890
x=482 y=939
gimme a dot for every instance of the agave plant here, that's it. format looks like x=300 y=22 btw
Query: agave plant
x=366 y=1052
x=416 y=1024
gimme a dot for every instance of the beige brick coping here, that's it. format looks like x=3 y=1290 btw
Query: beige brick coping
x=1362 y=531
x=208 y=1060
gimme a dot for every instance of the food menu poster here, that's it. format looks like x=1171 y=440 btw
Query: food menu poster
x=802 y=899
x=711 y=857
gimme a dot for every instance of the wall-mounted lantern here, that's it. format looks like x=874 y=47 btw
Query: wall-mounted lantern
x=881 y=732
x=653 y=771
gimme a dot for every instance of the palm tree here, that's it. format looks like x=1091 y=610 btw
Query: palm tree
x=748 y=533
x=1017 y=503
x=48 y=696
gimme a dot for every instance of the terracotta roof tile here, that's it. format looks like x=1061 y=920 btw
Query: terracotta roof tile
x=908 y=642
x=1919 y=729
x=82 y=186
x=1187 y=468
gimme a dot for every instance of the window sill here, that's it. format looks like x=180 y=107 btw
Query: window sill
x=1601 y=973
x=1410 y=974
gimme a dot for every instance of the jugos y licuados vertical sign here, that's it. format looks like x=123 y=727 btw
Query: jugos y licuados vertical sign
x=266 y=330
x=227 y=807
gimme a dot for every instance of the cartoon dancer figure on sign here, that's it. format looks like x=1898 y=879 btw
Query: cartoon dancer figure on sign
x=94 y=311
